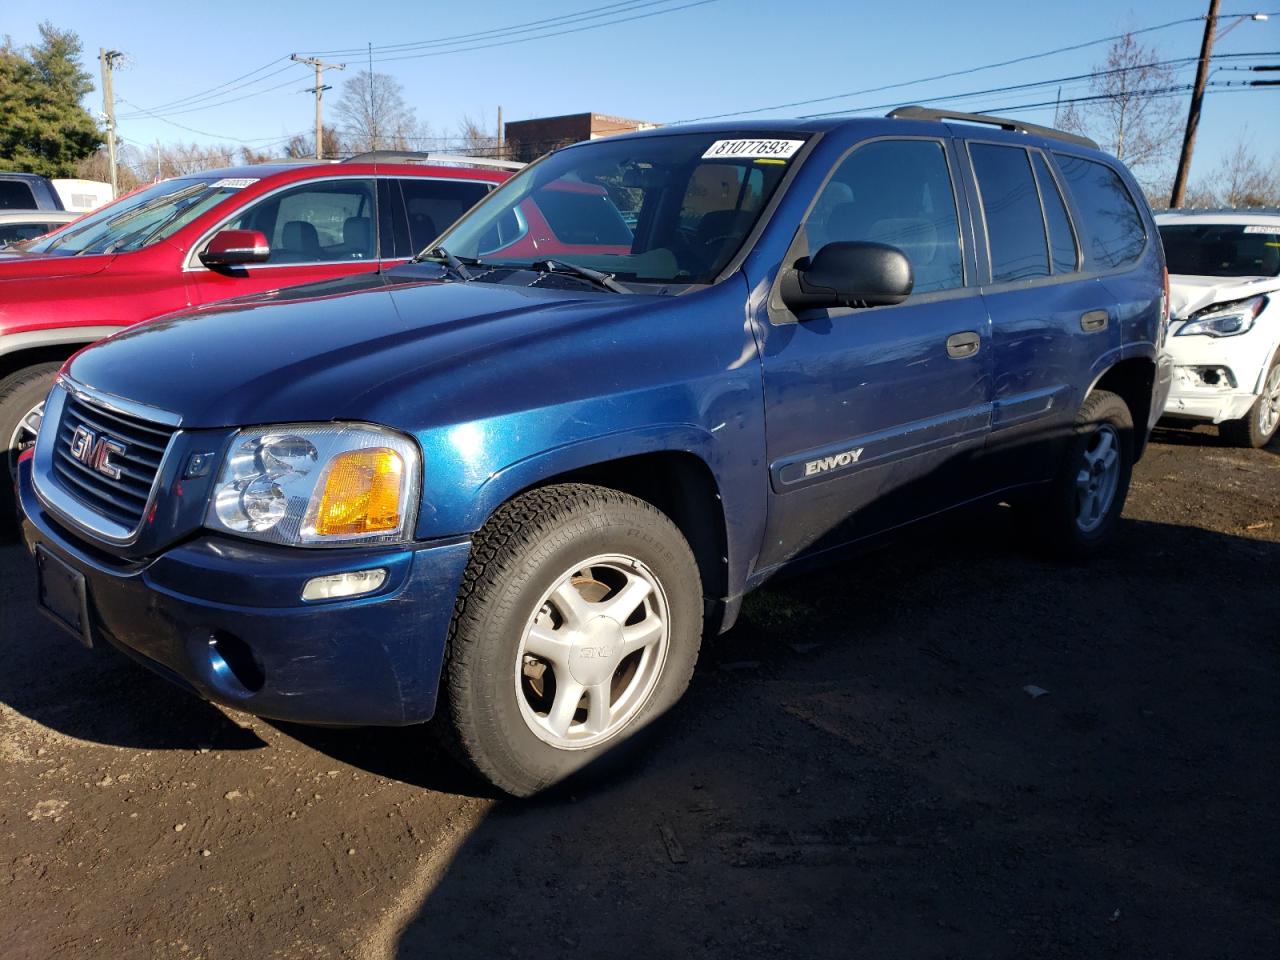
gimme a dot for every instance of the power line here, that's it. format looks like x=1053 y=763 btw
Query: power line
x=530 y=25
x=214 y=91
x=950 y=74
x=548 y=36
x=203 y=133
x=1031 y=85
x=209 y=106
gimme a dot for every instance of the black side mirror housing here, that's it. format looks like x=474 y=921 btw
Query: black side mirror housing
x=848 y=273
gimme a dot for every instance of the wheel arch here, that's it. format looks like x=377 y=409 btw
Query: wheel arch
x=1133 y=380
x=21 y=350
x=683 y=486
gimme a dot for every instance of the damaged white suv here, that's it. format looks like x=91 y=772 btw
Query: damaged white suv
x=1224 y=292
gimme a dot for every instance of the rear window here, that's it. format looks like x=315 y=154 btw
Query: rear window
x=433 y=205
x=16 y=195
x=1011 y=208
x=1221 y=249
x=1114 y=234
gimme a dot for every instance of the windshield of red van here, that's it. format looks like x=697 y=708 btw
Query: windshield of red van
x=141 y=218
x=658 y=209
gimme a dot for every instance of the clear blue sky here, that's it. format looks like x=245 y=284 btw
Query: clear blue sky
x=715 y=57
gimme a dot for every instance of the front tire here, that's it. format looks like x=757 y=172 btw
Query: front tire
x=1082 y=509
x=1259 y=425
x=577 y=625
x=22 y=397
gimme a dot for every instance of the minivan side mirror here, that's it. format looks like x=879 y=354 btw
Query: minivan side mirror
x=848 y=273
x=231 y=248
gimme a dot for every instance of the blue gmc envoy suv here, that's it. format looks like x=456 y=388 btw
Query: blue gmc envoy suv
x=510 y=486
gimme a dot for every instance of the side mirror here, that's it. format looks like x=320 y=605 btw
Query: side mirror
x=848 y=273
x=231 y=248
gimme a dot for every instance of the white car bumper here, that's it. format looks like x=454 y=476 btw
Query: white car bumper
x=1218 y=378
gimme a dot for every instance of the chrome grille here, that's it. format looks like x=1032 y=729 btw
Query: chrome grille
x=122 y=499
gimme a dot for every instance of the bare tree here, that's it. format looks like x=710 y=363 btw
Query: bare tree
x=474 y=140
x=1132 y=116
x=301 y=146
x=161 y=161
x=373 y=115
x=1245 y=180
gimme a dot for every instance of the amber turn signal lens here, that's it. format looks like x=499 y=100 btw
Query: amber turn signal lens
x=361 y=493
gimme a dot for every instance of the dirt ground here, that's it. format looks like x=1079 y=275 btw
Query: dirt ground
x=857 y=771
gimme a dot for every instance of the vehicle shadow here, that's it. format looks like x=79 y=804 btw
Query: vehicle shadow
x=867 y=767
x=98 y=695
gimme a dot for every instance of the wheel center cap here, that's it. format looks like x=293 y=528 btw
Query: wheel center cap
x=596 y=651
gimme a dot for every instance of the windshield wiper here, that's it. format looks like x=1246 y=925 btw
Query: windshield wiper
x=456 y=264
x=603 y=280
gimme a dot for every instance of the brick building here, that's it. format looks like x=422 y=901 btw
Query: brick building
x=529 y=139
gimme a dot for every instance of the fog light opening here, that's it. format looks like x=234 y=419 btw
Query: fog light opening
x=339 y=585
x=232 y=657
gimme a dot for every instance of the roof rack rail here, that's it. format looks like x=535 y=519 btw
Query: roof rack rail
x=410 y=156
x=1004 y=123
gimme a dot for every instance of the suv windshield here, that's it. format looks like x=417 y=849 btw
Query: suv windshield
x=655 y=209
x=141 y=219
x=1222 y=249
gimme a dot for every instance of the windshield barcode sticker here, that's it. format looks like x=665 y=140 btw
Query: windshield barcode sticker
x=1260 y=228
x=752 y=149
x=234 y=183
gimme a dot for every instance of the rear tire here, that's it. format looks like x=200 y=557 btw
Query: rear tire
x=577 y=625
x=1081 y=511
x=1260 y=424
x=22 y=397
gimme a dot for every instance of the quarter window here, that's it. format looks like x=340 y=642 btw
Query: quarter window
x=1011 y=209
x=1112 y=225
x=1062 y=241
x=896 y=192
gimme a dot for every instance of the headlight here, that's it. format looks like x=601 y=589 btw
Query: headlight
x=317 y=484
x=1224 y=320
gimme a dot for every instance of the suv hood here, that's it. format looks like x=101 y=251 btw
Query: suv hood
x=329 y=351
x=19 y=265
x=1189 y=294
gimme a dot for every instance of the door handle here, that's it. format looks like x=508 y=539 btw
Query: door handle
x=1094 y=320
x=961 y=345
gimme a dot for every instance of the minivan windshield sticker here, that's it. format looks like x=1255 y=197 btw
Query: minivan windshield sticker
x=1261 y=228
x=752 y=149
x=234 y=183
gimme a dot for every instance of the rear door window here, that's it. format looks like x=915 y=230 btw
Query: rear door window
x=1113 y=229
x=16 y=195
x=1011 y=209
x=1062 y=240
x=433 y=205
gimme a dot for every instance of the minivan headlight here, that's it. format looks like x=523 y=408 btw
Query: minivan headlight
x=317 y=484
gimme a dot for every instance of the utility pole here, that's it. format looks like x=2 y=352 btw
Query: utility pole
x=501 y=135
x=318 y=90
x=1193 y=114
x=106 y=60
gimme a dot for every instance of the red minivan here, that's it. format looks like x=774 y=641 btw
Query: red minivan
x=205 y=237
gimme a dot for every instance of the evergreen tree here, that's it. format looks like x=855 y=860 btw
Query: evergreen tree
x=43 y=127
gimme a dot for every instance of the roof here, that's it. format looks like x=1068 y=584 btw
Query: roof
x=1268 y=215
x=301 y=171
x=39 y=216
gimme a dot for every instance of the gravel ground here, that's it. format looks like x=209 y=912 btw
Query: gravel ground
x=857 y=771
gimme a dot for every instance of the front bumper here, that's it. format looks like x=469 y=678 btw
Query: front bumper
x=223 y=617
x=1237 y=363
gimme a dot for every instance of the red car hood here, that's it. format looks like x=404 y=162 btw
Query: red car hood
x=41 y=266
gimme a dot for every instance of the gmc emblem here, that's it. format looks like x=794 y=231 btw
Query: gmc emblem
x=96 y=452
